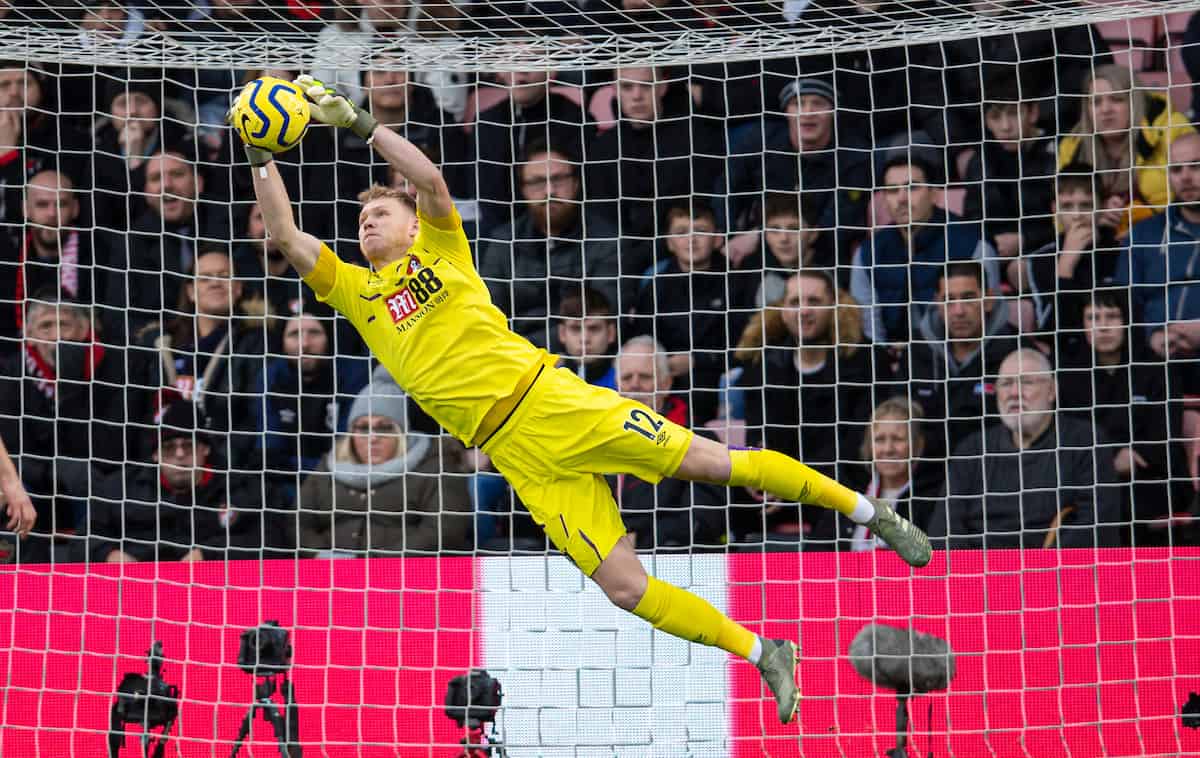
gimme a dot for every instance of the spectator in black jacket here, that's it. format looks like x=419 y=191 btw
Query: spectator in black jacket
x=134 y=131
x=146 y=267
x=532 y=114
x=55 y=254
x=35 y=136
x=1035 y=479
x=548 y=252
x=694 y=306
x=211 y=353
x=178 y=508
x=810 y=384
x=1060 y=276
x=1010 y=180
x=791 y=241
x=1059 y=60
x=952 y=363
x=1122 y=389
x=657 y=155
x=805 y=152
x=68 y=412
x=672 y=513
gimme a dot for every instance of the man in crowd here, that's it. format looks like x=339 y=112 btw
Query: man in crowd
x=587 y=331
x=530 y=265
x=1061 y=276
x=1159 y=263
x=693 y=305
x=656 y=156
x=33 y=138
x=1010 y=179
x=54 y=254
x=807 y=153
x=1116 y=386
x=147 y=267
x=532 y=114
x=70 y=413
x=300 y=407
x=1034 y=479
x=179 y=507
x=896 y=270
x=953 y=359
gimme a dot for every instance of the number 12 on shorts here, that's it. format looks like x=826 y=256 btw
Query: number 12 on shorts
x=639 y=420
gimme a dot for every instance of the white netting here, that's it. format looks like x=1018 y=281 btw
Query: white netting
x=458 y=36
x=757 y=210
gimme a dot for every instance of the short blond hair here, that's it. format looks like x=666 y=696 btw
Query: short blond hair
x=380 y=192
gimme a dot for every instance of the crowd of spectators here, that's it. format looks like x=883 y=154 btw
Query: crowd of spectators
x=962 y=276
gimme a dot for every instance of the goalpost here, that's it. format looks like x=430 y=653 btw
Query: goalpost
x=135 y=280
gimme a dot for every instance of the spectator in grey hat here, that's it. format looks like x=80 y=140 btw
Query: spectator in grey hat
x=802 y=151
x=384 y=490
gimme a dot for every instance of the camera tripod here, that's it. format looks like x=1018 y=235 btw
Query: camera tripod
x=285 y=724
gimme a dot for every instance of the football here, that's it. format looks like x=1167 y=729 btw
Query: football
x=271 y=114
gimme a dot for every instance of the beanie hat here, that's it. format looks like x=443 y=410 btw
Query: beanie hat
x=381 y=397
x=800 y=87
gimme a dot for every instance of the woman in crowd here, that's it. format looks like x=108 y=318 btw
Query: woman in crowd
x=892 y=449
x=381 y=490
x=1125 y=136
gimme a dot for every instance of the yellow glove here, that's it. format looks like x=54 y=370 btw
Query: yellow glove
x=331 y=108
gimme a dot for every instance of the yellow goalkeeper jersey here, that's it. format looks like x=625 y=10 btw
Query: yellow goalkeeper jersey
x=429 y=319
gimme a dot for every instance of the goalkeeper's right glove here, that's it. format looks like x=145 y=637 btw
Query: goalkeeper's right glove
x=256 y=155
x=331 y=108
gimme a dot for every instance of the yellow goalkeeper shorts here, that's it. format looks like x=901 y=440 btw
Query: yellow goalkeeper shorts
x=560 y=442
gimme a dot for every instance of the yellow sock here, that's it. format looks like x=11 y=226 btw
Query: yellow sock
x=677 y=611
x=789 y=479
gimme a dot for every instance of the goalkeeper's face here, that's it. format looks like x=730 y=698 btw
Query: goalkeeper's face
x=386 y=230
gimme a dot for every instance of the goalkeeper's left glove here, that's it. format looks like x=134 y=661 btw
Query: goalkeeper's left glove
x=331 y=108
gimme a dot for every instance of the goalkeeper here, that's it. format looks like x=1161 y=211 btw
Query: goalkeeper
x=427 y=316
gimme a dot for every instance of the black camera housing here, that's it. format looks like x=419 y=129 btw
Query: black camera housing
x=473 y=698
x=147 y=699
x=265 y=650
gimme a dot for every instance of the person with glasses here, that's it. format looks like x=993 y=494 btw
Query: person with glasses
x=531 y=265
x=1033 y=480
x=426 y=313
x=382 y=489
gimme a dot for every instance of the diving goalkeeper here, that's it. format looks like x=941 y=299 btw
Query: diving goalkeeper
x=426 y=315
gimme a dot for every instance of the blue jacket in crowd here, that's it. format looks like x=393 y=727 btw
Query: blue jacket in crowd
x=885 y=277
x=1161 y=264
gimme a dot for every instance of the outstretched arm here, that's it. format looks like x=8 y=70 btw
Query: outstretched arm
x=301 y=249
x=331 y=108
x=433 y=198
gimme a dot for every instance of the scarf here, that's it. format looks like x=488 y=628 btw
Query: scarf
x=364 y=476
x=44 y=375
x=68 y=271
x=41 y=372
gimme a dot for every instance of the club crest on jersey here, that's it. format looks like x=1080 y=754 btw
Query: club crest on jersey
x=414 y=265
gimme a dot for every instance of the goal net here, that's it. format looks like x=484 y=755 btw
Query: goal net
x=944 y=252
